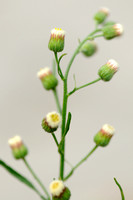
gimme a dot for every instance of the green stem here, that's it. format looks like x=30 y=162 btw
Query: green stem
x=36 y=178
x=65 y=98
x=58 y=66
x=64 y=111
x=121 y=191
x=57 y=100
x=78 y=88
x=55 y=139
x=79 y=163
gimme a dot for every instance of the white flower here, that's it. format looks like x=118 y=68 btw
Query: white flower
x=113 y=64
x=108 y=129
x=118 y=28
x=15 y=142
x=53 y=119
x=56 y=187
x=57 y=32
x=44 y=72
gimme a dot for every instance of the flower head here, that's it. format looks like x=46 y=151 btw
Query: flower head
x=112 y=31
x=47 y=78
x=56 y=42
x=59 y=191
x=19 y=150
x=51 y=122
x=107 y=71
x=56 y=187
x=101 y=15
x=103 y=137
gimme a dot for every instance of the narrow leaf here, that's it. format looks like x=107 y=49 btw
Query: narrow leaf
x=17 y=175
x=62 y=56
x=121 y=191
x=68 y=123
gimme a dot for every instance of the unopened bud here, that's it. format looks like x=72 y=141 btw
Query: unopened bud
x=103 y=137
x=56 y=42
x=47 y=78
x=112 y=31
x=51 y=122
x=89 y=48
x=19 y=150
x=107 y=71
x=59 y=191
x=101 y=15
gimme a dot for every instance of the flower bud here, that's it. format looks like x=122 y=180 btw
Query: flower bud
x=48 y=80
x=101 y=15
x=89 y=48
x=103 y=137
x=56 y=42
x=19 y=150
x=107 y=71
x=59 y=191
x=112 y=31
x=51 y=122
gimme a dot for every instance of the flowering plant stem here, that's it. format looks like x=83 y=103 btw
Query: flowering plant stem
x=36 y=178
x=64 y=78
x=79 y=163
x=121 y=191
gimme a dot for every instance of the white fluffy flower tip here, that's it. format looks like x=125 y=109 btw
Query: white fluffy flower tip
x=15 y=141
x=53 y=119
x=105 y=10
x=56 y=187
x=44 y=72
x=113 y=64
x=119 y=29
x=108 y=129
x=58 y=32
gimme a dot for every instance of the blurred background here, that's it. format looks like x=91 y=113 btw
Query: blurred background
x=25 y=27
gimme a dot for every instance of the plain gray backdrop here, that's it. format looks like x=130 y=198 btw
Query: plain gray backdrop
x=25 y=27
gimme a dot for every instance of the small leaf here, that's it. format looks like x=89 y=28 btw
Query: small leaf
x=17 y=175
x=62 y=56
x=68 y=123
x=121 y=191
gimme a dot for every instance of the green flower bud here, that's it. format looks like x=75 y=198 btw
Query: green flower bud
x=19 y=150
x=49 y=81
x=103 y=137
x=56 y=42
x=59 y=191
x=101 y=15
x=89 y=48
x=51 y=122
x=107 y=71
x=112 y=31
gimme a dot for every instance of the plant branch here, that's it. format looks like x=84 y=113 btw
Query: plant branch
x=36 y=178
x=78 y=88
x=79 y=163
x=58 y=66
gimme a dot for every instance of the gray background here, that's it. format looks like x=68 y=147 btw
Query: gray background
x=24 y=33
